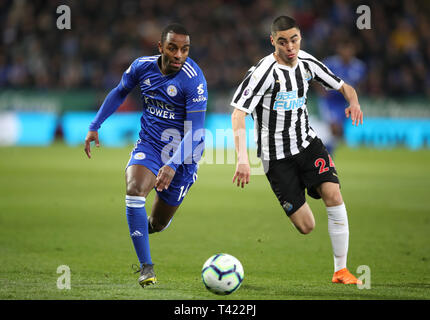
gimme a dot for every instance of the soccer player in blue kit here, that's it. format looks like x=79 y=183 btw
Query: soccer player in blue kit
x=331 y=103
x=174 y=94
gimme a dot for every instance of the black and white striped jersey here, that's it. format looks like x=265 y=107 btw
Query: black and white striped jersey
x=275 y=95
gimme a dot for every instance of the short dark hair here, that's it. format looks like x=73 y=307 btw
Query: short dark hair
x=175 y=28
x=283 y=23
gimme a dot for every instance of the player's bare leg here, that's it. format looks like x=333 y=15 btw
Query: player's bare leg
x=338 y=231
x=139 y=182
x=303 y=219
x=330 y=194
x=161 y=215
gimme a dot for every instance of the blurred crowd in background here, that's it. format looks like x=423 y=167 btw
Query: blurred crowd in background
x=227 y=37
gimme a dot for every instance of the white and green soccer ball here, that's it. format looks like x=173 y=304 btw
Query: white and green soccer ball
x=222 y=274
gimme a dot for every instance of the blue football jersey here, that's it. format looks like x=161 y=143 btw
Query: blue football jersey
x=166 y=98
x=351 y=73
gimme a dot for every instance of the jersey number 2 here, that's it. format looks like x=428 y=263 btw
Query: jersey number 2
x=320 y=162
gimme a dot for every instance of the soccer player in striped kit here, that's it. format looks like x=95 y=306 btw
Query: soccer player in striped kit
x=294 y=158
x=174 y=95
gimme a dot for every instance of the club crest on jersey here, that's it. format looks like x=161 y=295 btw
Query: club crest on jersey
x=308 y=75
x=287 y=206
x=172 y=91
x=139 y=156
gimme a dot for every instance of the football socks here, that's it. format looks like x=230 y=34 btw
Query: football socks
x=138 y=226
x=338 y=231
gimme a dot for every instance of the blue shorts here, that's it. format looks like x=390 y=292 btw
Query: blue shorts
x=146 y=155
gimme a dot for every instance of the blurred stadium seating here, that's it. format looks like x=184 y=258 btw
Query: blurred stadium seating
x=43 y=69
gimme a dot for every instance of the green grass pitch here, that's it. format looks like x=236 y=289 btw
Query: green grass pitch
x=59 y=208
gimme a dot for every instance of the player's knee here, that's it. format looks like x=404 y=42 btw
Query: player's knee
x=157 y=228
x=135 y=189
x=156 y=225
x=150 y=227
x=306 y=228
x=303 y=219
x=332 y=196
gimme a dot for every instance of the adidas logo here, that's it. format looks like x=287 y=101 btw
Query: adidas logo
x=136 y=234
x=147 y=82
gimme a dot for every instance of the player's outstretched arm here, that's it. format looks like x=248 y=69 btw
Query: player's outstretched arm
x=91 y=136
x=243 y=170
x=354 y=109
x=112 y=102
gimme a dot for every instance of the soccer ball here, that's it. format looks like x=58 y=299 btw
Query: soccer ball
x=222 y=274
